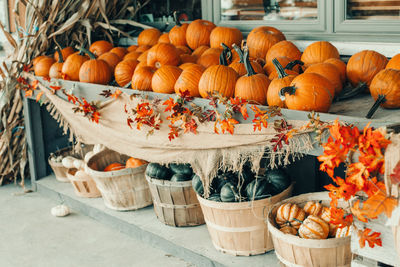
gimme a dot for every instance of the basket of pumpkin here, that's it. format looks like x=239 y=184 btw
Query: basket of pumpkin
x=174 y=199
x=237 y=207
x=120 y=179
x=303 y=235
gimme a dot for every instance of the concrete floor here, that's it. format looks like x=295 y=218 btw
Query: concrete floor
x=30 y=236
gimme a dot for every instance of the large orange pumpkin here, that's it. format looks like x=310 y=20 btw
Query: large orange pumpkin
x=314 y=228
x=134 y=163
x=218 y=78
x=94 y=70
x=143 y=57
x=114 y=167
x=164 y=38
x=290 y=214
x=132 y=55
x=141 y=79
x=189 y=80
x=100 y=47
x=282 y=49
x=111 y=59
x=177 y=35
x=261 y=39
x=363 y=66
x=42 y=68
x=239 y=66
x=226 y=35
x=148 y=37
x=308 y=92
x=330 y=72
x=210 y=57
x=66 y=52
x=124 y=71
x=56 y=69
x=198 y=33
x=394 y=62
x=283 y=80
x=72 y=65
x=164 y=79
x=119 y=51
x=253 y=86
x=318 y=52
x=340 y=65
x=163 y=54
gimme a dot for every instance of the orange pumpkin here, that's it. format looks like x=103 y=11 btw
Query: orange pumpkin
x=164 y=79
x=42 y=68
x=66 y=52
x=114 y=167
x=283 y=80
x=56 y=69
x=314 y=228
x=163 y=54
x=124 y=71
x=132 y=55
x=100 y=47
x=284 y=62
x=283 y=49
x=189 y=80
x=111 y=59
x=208 y=59
x=261 y=39
x=239 y=66
x=200 y=50
x=164 y=38
x=359 y=71
x=185 y=58
x=143 y=48
x=177 y=35
x=313 y=208
x=134 y=163
x=119 y=51
x=330 y=72
x=269 y=67
x=198 y=33
x=143 y=57
x=186 y=65
x=94 y=70
x=37 y=59
x=287 y=229
x=318 y=52
x=218 y=78
x=183 y=50
x=141 y=79
x=226 y=35
x=394 y=63
x=72 y=65
x=132 y=48
x=340 y=65
x=290 y=214
x=308 y=92
x=253 y=86
x=148 y=37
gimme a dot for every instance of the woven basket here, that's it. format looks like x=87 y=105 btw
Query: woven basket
x=83 y=186
x=59 y=170
x=240 y=228
x=292 y=250
x=175 y=203
x=122 y=190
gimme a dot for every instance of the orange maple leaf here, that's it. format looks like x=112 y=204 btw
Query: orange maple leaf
x=339 y=218
x=379 y=203
x=357 y=174
x=243 y=110
x=373 y=185
x=35 y=84
x=28 y=93
x=116 y=94
x=55 y=88
x=95 y=117
x=39 y=96
x=343 y=190
x=359 y=213
x=372 y=238
x=228 y=125
x=170 y=103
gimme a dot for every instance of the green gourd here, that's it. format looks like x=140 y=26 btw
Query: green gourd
x=180 y=177
x=157 y=171
x=181 y=168
x=258 y=189
x=197 y=185
x=229 y=193
x=214 y=197
x=278 y=179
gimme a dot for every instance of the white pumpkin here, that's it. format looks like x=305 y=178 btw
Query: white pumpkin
x=68 y=162
x=343 y=232
x=88 y=156
x=60 y=211
x=79 y=164
x=98 y=148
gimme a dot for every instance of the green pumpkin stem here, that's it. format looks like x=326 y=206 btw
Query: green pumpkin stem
x=247 y=63
x=293 y=63
x=222 y=58
x=279 y=69
x=176 y=19
x=380 y=100
x=85 y=51
x=228 y=52
x=240 y=52
x=351 y=92
x=60 y=56
x=286 y=90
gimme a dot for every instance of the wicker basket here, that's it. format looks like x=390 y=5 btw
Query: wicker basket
x=292 y=250
x=84 y=186
x=175 y=203
x=122 y=190
x=240 y=228
x=59 y=170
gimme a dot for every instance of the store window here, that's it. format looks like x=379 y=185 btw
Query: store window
x=162 y=10
x=373 y=10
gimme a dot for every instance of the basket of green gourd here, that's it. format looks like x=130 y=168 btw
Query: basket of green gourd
x=175 y=202
x=236 y=210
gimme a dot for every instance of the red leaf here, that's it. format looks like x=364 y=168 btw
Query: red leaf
x=395 y=176
x=372 y=238
x=47 y=78
x=55 y=88
x=170 y=103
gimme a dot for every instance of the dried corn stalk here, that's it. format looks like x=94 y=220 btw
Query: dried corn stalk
x=47 y=23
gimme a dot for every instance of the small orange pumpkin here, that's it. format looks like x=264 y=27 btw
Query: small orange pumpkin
x=163 y=54
x=42 y=68
x=124 y=71
x=72 y=65
x=287 y=229
x=239 y=66
x=94 y=70
x=340 y=65
x=177 y=35
x=134 y=163
x=330 y=72
x=183 y=50
x=200 y=50
x=314 y=228
x=100 y=47
x=261 y=39
x=56 y=69
x=394 y=62
x=132 y=48
x=143 y=57
x=198 y=33
x=111 y=59
x=37 y=59
x=114 y=167
x=164 y=79
x=283 y=49
x=318 y=52
x=141 y=79
x=119 y=51
x=148 y=37
x=143 y=48
x=132 y=55
x=186 y=65
x=313 y=208
x=226 y=35
x=189 y=80
x=164 y=38
x=66 y=52
x=185 y=58
x=290 y=214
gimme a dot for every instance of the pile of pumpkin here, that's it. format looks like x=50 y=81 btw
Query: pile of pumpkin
x=130 y=163
x=190 y=58
x=245 y=186
x=310 y=222
x=173 y=172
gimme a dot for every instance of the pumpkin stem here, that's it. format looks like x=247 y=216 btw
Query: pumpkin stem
x=247 y=64
x=297 y=220
x=279 y=69
x=349 y=93
x=85 y=51
x=380 y=100
x=222 y=58
x=176 y=19
x=228 y=51
x=293 y=63
x=240 y=52
x=286 y=90
x=60 y=57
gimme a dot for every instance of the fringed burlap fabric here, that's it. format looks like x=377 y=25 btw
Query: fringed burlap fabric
x=205 y=151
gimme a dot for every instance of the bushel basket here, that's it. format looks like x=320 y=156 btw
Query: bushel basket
x=84 y=186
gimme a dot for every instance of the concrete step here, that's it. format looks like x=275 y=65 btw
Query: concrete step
x=192 y=244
